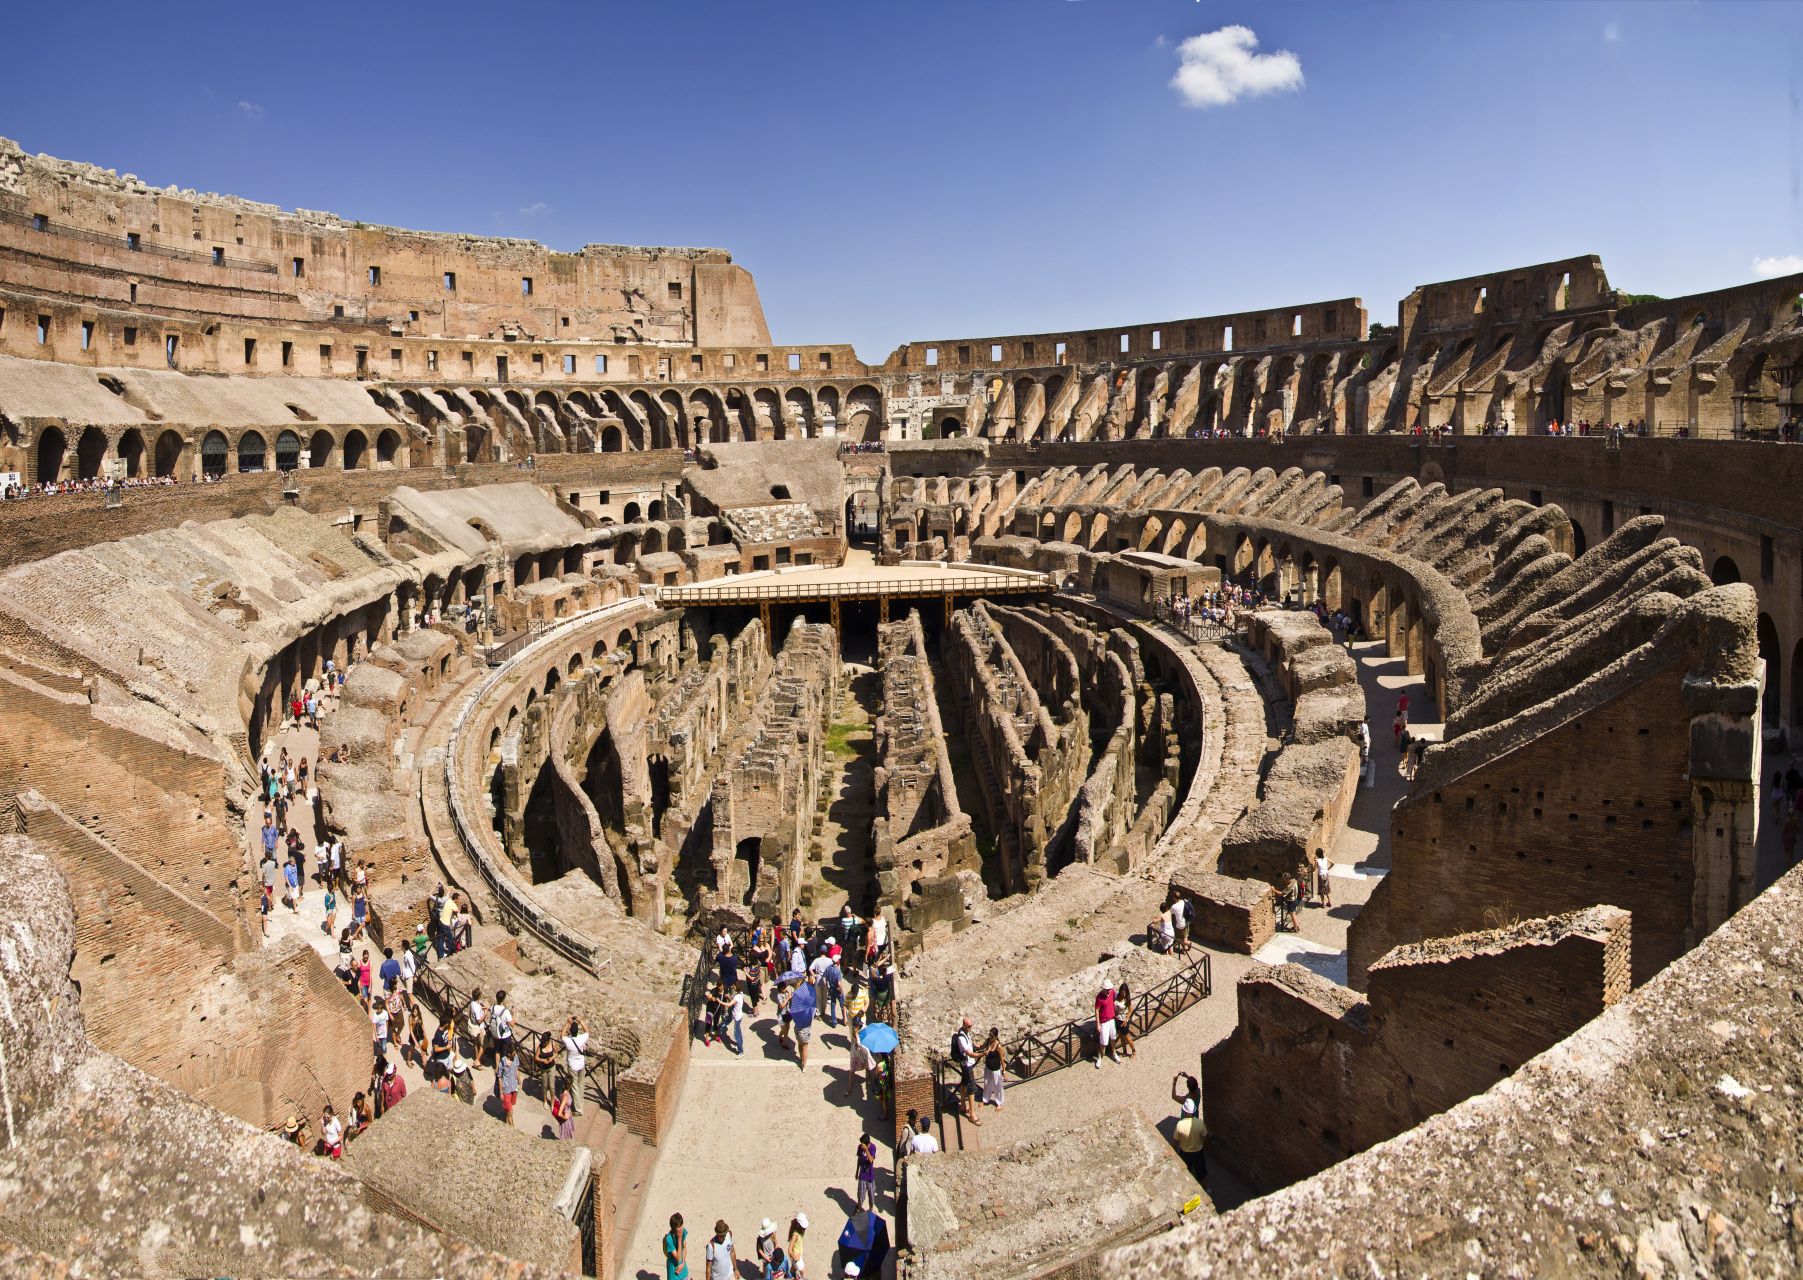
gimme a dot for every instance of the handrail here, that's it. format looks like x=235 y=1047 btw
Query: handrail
x=973 y=584
x=446 y=1001
x=511 y=901
x=1037 y=1053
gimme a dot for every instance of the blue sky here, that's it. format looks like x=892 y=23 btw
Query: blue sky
x=928 y=170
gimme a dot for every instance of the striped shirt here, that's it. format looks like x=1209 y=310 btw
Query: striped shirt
x=859 y=1002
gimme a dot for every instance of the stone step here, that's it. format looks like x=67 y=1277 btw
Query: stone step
x=629 y=1206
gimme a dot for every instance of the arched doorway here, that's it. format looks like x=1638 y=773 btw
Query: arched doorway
x=1724 y=571
x=213 y=450
x=253 y=452
x=748 y=852
x=1579 y=543
x=1796 y=686
x=386 y=445
x=319 y=450
x=610 y=440
x=52 y=445
x=90 y=453
x=356 y=444
x=287 y=451
x=169 y=452
x=131 y=452
x=1773 y=705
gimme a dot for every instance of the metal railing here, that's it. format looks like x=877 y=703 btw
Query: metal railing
x=1038 y=1053
x=502 y=652
x=448 y=1002
x=971 y=584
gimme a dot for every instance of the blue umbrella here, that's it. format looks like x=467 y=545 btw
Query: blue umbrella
x=878 y=1037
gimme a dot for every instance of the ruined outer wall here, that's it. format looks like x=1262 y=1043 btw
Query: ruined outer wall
x=1313 y=1074
x=1673 y=1102
x=169 y=986
x=1541 y=830
x=1463 y=1013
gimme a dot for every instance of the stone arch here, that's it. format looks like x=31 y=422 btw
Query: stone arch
x=1579 y=543
x=864 y=413
x=320 y=449
x=253 y=452
x=1073 y=527
x=828 y=400
x=653 y=543
x=388 y=444
x=287 y=450
x=90 y=453
x=1772 y=653
x=1098 y=532
x=214 y=448
x=1724 y=571
x=130 y=450
x=52 y=445
x=623 y=641
x=704 y=404
x=612 y=440
x=681 y=429
x=798 y=408
x=1148 y=533
x=170 y=447
x=356 y=450
x=1174 y=537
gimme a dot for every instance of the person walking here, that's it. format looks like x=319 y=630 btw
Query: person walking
x=475 y=1025
x=1323 y=871
x=562 y=1112
x=835 y=999
x=992 y=1070
x=676 y=1250
x=507 y=1082
x=1105 y=1024
x=735 y=1014
x=857 y=1005
x=866 y=1172
x=722 y=1264
x=798 y=1239
x=801 y=1015
x=1182 y=912
x=965 y=1056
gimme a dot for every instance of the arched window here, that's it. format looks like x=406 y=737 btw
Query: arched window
x=252 y=451
x=287 y=451
x=213 y=450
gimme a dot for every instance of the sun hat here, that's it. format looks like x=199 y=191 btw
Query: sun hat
x=801 y=1220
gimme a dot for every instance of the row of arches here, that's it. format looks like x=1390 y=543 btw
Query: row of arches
x=175 y=455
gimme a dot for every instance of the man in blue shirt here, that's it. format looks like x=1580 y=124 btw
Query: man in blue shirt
x=801 y=1013
x=391 y=970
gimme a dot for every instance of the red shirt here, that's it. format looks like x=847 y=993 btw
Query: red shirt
x=1105 y=1006
x=393 y=1089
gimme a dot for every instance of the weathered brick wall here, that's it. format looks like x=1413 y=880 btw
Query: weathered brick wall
x=1313 y=1074
x=649 y=1090
x=158 y=800
x=170 y=988
x=1459 y=1021
x=1523 y=835
x=1236 y=915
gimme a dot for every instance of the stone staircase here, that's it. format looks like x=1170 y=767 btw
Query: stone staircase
x=628 y=1161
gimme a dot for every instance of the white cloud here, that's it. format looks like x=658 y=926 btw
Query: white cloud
x=250 y=111
x=531 y=209
x=1219 y=67
x=1789 y=265
x=1160 y=43
x=1611 y=32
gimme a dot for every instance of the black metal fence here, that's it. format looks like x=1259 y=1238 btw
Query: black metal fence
x=449 y=1003
x=1037 y=1053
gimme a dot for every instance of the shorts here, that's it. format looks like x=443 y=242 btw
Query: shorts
x=1105 y=1032
x=804 y=1034
x=508 y=1100
x=969 y=1076
x=1182 y=935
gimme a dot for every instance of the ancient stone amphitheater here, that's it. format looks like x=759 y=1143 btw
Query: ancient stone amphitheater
x=656 y=628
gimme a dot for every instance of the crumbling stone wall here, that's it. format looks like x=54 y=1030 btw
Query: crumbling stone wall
x=188 y=998
x=772 y=774
x=1034 y=758
x=1313 y=1073
x=921 y=836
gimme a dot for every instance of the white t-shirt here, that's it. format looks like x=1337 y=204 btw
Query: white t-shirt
x=923 y=1144
x=409 y=965
x=378 y=1015
x=331 y=1131
x=573 y=1047
x=503 y=1022
x=818 y=969
x=735 y=1007
x=1324 y=867
x=719 y=1263
x=476 y=1014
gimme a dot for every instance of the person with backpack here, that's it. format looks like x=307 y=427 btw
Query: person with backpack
x=964 y=1056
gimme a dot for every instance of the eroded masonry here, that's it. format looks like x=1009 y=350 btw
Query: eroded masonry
x=650 y=628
